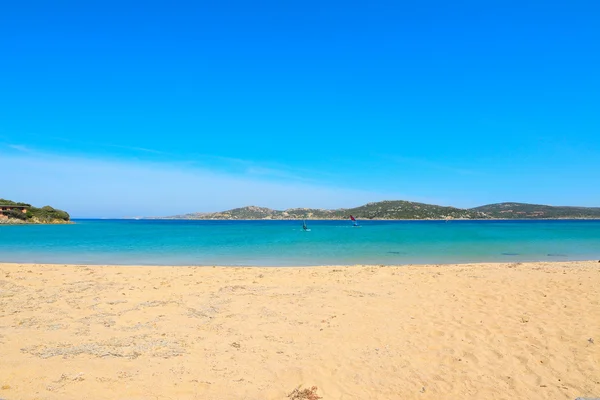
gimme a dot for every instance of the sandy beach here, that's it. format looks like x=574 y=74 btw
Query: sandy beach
x=486 y=331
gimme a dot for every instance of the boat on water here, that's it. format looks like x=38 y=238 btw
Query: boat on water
x=354 y=222
x=305 y=227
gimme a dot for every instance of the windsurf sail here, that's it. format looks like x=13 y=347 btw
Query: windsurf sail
x=354 y=222
x=304 y=225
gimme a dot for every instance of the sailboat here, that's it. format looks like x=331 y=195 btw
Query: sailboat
x=304 y=227
x=354 y=222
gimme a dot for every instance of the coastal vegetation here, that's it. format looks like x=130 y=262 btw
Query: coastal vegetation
x=537 y=211
x=12 y=212
x=400 y=209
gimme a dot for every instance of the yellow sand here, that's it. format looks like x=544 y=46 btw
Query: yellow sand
x=485 y=331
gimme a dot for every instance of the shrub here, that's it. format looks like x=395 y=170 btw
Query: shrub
x=16 y=214
x=13 y=203
x=47 y=214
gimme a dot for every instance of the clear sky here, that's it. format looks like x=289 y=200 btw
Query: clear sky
x=117 y=108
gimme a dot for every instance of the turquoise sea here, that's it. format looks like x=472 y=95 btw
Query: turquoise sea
x=169 y=242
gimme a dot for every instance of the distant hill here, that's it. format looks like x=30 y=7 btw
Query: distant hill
x=399 y=209
x=253 y=212
x=536 y=211
x=12 y=212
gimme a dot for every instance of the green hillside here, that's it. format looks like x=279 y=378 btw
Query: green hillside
x=380 y=210
x=253 y=212
x=537 y=211
x=43 y=215
x=399 y=209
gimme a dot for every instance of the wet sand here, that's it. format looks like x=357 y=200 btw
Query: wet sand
x=487 y=331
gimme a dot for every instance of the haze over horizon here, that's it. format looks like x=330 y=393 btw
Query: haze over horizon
x=118 y=109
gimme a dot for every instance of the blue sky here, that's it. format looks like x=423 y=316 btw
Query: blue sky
x=111 y=109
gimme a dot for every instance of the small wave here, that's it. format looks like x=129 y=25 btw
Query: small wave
x=556 y=255
x=510 y=254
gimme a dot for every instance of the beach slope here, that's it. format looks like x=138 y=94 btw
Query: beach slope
x=488 y=331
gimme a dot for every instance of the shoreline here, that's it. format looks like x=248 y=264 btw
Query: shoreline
x=346 y=219
x=487 y=330
x=498 y=264
x=73 y=221
x=12 y=221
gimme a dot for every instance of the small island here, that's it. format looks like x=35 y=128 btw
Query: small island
x=12 y=212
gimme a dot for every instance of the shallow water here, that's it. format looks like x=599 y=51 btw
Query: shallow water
x=169 y=242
